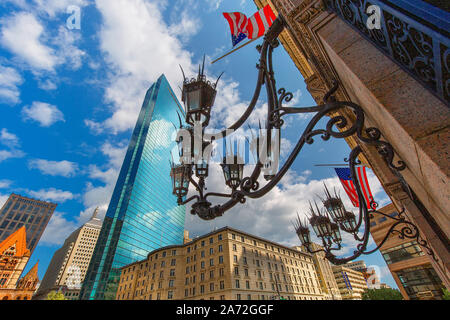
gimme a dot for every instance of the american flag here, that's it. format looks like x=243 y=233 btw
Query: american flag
x=346 y=180
x=238 y=25
x=254 y=27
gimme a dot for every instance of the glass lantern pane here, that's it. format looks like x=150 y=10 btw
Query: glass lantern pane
x=194 y=100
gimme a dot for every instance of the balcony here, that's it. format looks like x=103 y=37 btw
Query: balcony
x=414 y=34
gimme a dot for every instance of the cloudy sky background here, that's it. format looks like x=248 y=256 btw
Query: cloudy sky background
x=70 y=98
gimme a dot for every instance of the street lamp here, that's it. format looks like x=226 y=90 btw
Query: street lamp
x=198 y=95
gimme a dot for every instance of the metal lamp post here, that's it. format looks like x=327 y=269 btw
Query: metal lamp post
x=198 y=95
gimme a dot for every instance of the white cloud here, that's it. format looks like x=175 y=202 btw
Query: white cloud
x=52 y=194
x=10 y=80
x=186 y=26
x=3 y=198
x=54 y=168
x=133 y=34
x=99 y=196
x=41 y=49
x=21 y=34
x=5 y=184
x=44 y=113
x=57 y=230
x=11 y=141
x=53 y=7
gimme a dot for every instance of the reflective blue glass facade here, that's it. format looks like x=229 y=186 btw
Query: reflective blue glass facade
x=143 y=214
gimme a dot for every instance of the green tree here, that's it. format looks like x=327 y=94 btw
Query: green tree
x=446 y=295
x=382 y=294
x=53 y=295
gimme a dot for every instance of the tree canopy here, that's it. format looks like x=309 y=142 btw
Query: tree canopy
x=382 y=294
x=53 y=295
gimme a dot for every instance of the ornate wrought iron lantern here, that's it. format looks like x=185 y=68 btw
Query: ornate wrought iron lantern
x=334 y=206
x=302 y=230
x=198 y=96
x=349 y=221
x=180 y=175
x=233 y=172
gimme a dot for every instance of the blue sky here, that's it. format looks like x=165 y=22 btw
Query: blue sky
x=69 y=99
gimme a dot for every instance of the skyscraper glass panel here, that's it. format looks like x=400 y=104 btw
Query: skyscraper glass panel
x=143 y=214
x=19 y=211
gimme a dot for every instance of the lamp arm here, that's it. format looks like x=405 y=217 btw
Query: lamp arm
x=274 y=31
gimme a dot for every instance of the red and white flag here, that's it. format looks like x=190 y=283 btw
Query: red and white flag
x=260 y=22
x=347 y=182
x=254 y=27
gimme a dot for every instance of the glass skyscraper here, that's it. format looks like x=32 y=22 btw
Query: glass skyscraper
x=143 y=214
x=19 y=211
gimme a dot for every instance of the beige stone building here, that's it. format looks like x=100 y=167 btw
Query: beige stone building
x=409 y=265
x=226 y=264
x=69 y=264
x=372 y=278
x=351 y=283
x=398 y=74
x=324 y=272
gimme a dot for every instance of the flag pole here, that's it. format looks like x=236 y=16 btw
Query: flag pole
x=240 y=47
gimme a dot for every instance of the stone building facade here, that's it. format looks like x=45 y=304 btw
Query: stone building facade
x=409 y=265
x=399 y=75
x=324 y=272
x=351 y=283
x=226 y=264
x=69 y=264
x=14 y=256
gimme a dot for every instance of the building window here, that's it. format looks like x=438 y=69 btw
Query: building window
x=211 y=274
x=235 y=259
x=211 y=251
x=170 y=283
x=211 y=240
x=236 y=271
x=237 y=284
x=173 y=262
x=420 y=279
x=219 y=237
x=222 y=285
x=247 y=284
x=220 y=248
x=402 y=252
x=238 y=296
x=170 y=295
x=211 y=286
x=234 y=247
x=220 y=259
x=202 y=289
x=211 y=262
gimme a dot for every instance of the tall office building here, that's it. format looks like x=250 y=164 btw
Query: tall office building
x=351 y=283
x=21 y=211
x=143 y=214
x=67 y=269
